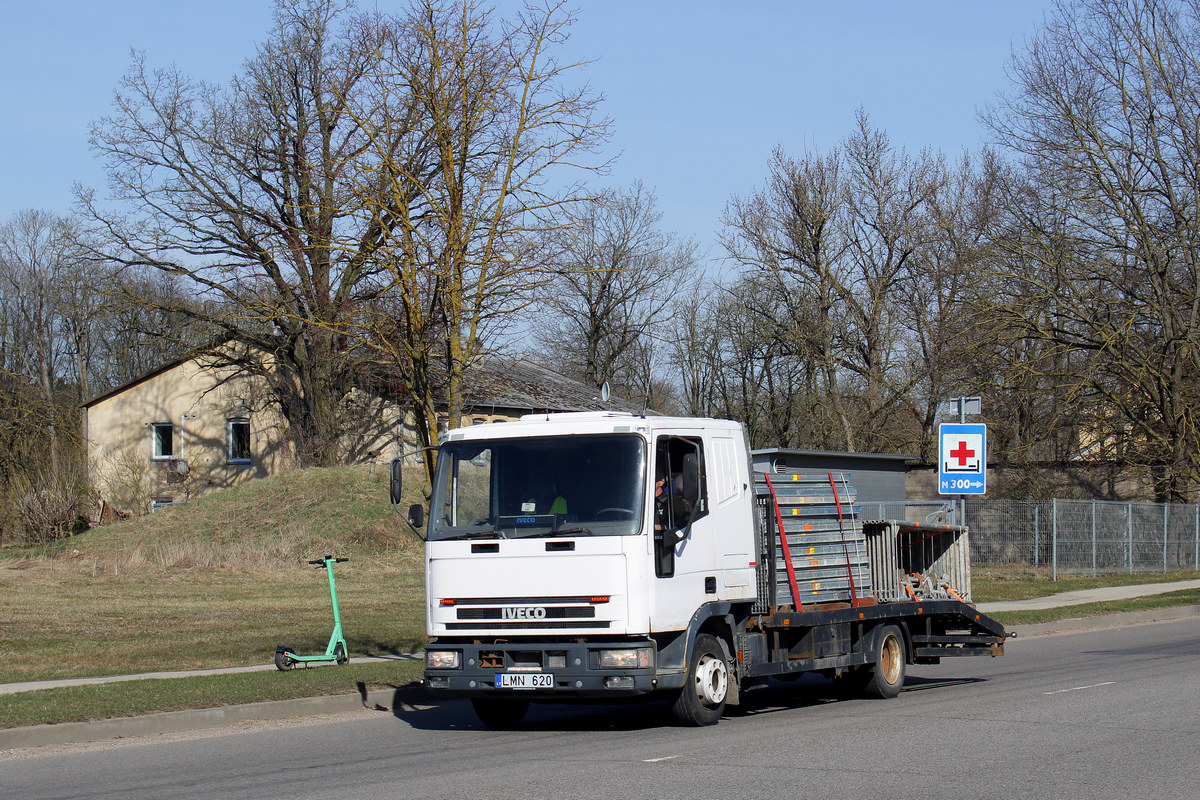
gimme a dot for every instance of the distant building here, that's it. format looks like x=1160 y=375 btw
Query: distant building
x=191 y=426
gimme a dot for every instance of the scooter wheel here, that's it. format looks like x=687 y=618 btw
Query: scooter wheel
x=283 y=660
x=339 y=653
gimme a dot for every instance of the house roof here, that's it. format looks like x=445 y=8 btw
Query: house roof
x=520 y=384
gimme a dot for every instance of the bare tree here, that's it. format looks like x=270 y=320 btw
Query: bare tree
x=944 y=329
x=250 y=194
x=616 y=280
x=840 y=237
x=504 y=131
x=144 y=322
x=48 y=311
x=1102 y=254
x=44 y=341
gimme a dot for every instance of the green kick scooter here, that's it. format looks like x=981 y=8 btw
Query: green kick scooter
x=285 y=656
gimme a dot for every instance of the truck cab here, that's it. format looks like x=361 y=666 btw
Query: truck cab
x=573 y=552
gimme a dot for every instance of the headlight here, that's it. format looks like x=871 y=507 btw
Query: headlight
x=631 y=658
x=443 y=659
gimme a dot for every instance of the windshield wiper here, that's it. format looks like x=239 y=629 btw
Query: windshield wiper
x=579 y=529
x=487 y=534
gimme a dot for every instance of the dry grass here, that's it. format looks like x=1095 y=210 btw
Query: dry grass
x=257 y=528
x=218 y=582
x=59 y=623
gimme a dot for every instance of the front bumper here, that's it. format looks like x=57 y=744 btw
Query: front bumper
x=565 y=670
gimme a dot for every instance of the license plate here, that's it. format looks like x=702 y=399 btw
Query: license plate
x=524 y=680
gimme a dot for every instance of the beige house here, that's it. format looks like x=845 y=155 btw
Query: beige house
x=190 y=427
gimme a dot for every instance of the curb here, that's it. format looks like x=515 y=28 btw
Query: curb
x=1104 y=621
x=201 y=719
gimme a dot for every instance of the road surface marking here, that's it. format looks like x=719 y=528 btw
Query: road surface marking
x=1081 y=688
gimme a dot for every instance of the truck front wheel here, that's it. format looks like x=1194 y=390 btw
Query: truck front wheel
x=702 y=699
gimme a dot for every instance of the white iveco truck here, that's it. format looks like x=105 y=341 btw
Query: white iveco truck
x=584 y=556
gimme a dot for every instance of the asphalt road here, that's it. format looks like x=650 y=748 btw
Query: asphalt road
x=1102 y=714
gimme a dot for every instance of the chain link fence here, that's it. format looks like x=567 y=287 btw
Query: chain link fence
x=1071 y=536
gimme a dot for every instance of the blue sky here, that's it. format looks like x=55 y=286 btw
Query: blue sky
x=700 y=92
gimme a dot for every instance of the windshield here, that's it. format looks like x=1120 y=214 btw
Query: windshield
x=551 y=486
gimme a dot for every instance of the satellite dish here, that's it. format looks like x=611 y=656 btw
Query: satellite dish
x=605 y=393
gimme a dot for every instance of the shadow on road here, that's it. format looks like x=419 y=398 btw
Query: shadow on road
x=413 y=705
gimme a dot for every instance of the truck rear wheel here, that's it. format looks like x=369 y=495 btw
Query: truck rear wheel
x=885 y=678
x=702 y=699
x=499 y=713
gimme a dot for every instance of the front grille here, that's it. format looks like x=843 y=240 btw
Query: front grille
x=560 y=612
x=490 y=626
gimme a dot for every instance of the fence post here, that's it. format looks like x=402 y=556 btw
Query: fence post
x=1037 y=545
x=1054 y=530
x=1197 y=557
x=1093 y=538
x=1166 y=511
x=1129 y=535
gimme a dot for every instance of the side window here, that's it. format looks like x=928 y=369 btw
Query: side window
x=239 y=440
x=162 y=442
x=680 y=495
x=468 y=495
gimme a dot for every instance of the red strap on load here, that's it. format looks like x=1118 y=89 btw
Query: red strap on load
x=787 y=553
x=846 y=550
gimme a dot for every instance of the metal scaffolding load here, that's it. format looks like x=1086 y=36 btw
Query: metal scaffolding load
x=919 y=561
x=822 y=540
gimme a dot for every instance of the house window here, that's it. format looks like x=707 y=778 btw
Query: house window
x=163 y=442
x=239 y=441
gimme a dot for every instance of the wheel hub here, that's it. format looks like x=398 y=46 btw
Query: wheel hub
x=891 y=660
x=712 y=680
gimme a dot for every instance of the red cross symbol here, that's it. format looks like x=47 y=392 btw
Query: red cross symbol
x=962 y=453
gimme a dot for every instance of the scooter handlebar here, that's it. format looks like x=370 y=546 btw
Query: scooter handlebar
x=320 y=562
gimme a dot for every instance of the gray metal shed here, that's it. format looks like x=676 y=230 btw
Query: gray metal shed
x=876 y=477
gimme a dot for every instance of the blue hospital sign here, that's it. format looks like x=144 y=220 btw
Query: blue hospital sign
x=962 y=458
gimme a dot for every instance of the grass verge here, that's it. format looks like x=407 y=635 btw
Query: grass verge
x=57 y=623
x=131 y=698
x=1149 y=603
x=1023 y=583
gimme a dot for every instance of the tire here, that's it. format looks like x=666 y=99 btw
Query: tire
x=885 y=677
x=500 y=713
x=702 y=699
x=283 y=660
x=340 y=656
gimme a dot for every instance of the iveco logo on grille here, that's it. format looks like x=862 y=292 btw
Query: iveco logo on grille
x=529 y=612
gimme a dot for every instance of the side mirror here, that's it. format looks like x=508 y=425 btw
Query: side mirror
x=397 y=482
x=416 y=515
